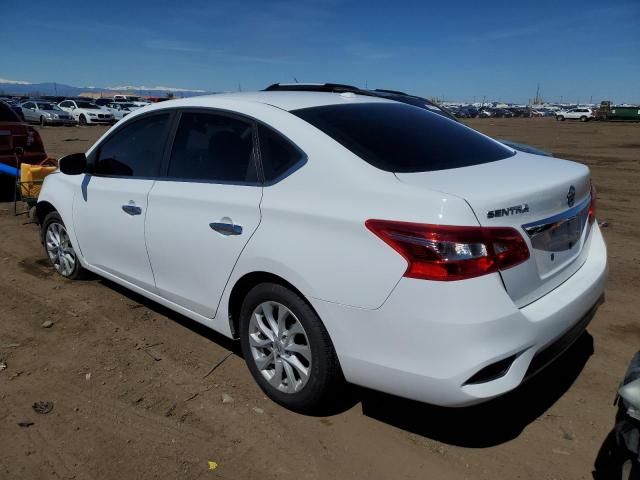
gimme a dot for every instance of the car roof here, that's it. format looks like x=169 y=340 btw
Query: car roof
x=284 y=100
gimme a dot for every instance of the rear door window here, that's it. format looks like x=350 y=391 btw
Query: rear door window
x=395 y=137
x=213 y=147
x=135 y=150
x=277 y=154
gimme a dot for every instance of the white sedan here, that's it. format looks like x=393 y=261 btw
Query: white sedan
x=120 y=110
x=338 y=237
x=85 y=112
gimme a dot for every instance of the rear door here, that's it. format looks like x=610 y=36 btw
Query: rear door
x=203 y=213
x=29 y=112
x=110 y=209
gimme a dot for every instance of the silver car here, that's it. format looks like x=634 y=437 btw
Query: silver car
x=45 y=113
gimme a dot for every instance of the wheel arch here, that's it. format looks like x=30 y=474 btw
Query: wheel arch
x=43 y=208
x=242 y=287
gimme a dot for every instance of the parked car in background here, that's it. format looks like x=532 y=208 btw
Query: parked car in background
x=46 y=113
x=239 y=210
x=120 y=110
x=502 y=113
x=134 y=99
x=485 y=113
x=582 y=114
x=87 y=113
x=103 y=101
x=14 y=133
x=466 y=112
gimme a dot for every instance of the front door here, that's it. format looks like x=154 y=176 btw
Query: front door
x=203 y=213
x=110 y=209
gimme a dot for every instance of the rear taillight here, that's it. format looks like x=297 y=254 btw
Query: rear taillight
x=592 y=204
x=34 y=142
x=440 y=252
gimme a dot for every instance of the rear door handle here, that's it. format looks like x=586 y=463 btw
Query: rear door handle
x=132 y=209
x=226 y=228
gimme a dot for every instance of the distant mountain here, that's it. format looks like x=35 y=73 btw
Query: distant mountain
x=8 y=88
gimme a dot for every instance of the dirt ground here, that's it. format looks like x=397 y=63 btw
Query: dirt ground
x=133 y=398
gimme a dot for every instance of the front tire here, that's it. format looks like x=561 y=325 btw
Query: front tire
x=583 y=118
x=560 y=118
x=287 y=348
x=43 y=122
x=60 y=251
x=82 y=120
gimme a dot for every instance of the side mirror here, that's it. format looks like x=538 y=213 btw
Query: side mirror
x=630 y=393
x=74 y=164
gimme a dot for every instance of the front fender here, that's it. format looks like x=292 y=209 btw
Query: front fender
x=59 y=190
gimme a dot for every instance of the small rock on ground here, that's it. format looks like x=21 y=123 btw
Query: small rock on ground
x=42 y=407
x=226 y=398
x=47 y=324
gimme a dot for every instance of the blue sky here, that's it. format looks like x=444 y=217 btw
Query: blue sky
x=459 y=50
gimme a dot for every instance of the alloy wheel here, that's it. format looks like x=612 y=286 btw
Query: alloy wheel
x=280 y=347
x=59 y=249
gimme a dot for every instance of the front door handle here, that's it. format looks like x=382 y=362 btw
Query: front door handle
x=132 y=209
x=226 y=228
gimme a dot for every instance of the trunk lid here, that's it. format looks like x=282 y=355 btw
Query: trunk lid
x=544 y=198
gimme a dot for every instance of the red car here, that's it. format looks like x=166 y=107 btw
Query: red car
x=15 y=133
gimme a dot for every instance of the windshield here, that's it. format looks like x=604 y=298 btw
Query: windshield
x=88 y=105
x=48 y=106
x=401 y=138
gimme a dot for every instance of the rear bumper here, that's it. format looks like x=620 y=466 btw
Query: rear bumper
x=430 y=338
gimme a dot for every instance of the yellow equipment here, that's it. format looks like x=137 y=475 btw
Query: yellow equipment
x=31 y=178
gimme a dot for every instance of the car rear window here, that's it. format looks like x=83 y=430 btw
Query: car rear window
x=402 y=138
x=7 y=114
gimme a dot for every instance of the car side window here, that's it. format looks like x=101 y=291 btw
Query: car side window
x=134 y=150
x=276 y=153
x=213 y=147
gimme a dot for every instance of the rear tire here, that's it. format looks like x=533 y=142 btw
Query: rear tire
x=583 y=118
x=58 y=247
x=560 y=118
x=287 y=348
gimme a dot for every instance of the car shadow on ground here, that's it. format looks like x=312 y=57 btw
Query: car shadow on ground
x=198 y=328
x=485 y=425
x=490 y=423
